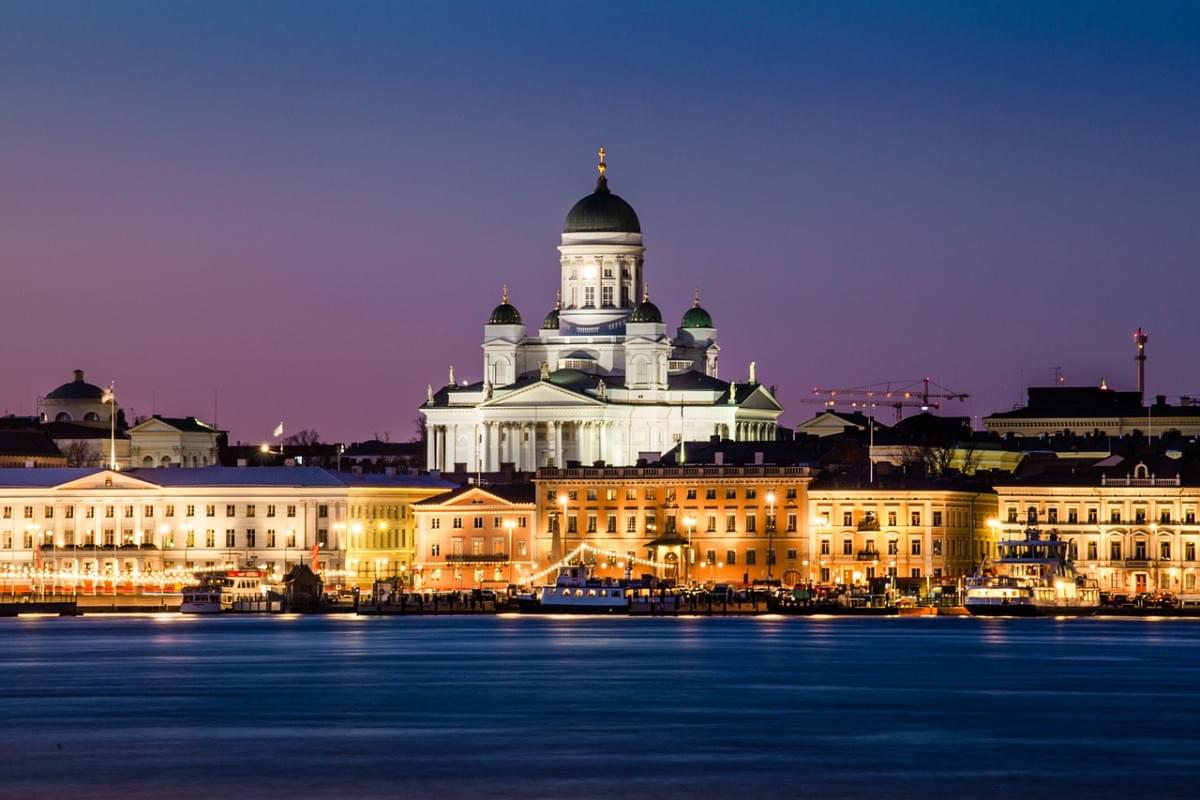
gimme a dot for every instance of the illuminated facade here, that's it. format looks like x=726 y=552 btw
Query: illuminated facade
x=915 y=529
x=1133 y=531
x=698 y=523
x=146 y=527
x=475 y=537
x=381 y=528
x=600 y=380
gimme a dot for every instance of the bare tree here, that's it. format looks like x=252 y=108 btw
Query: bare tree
x=933 y=460
x=82 y=454
x=303 y=438
x=421 y=430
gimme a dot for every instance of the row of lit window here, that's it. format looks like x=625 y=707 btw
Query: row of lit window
x=148 y=511
x=670 y=494
x=1115 y=517
x=206 y=538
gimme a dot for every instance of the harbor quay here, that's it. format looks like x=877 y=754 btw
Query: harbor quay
x=718 y=534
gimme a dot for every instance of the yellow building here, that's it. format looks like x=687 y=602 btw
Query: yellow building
x=696 y=524
x=380 y=530
x=897 y=526
x=1131 y=523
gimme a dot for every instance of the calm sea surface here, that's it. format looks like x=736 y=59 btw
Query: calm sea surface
x=173 y=707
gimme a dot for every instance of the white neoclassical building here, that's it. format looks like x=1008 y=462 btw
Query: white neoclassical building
x=600 y=380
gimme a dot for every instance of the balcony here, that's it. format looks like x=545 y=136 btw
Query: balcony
x=867 y=555
x=1137 y=563
x=46 y=548
x=477 y=558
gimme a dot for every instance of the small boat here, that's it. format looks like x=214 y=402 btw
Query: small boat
x=1031 y=577
x=575 y=591
x=224 y=591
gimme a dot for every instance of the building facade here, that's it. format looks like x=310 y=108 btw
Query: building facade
x=600 y=380
x=475 y=537
x=904 y=529
x=1133 y=533
x=693 y=524
x=155 y=527
x=381 y=526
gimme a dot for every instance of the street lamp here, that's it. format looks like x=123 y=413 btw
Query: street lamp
x=770 y=532
x=690 y=522
x=994 y=524
x=509 y=524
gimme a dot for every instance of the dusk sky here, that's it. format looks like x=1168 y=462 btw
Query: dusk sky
x=310 y=208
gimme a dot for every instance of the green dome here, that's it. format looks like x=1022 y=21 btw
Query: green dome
x=696 y=317
x=505 y=313
x=646 y=311
x=602 y=211
x=551 y=321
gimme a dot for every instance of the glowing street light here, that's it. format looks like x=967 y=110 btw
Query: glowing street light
x=509 y=524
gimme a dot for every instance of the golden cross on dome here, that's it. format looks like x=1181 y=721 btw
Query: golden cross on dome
x=504 y=294
x=646 y=291
x=602 y=166
x=696 y=301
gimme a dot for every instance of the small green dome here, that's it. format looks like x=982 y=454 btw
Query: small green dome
x=646 y=311
x=505 y=313
x=551 y=321
x=696 y=317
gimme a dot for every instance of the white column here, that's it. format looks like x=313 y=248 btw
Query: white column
x=603 y=438
x=483 y=447
x=558 y=445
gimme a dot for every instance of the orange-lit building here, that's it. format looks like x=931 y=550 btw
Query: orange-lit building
x=697 y=524
x=475 y=537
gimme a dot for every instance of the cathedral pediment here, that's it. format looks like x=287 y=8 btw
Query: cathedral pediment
x=760 y=399
x=542 y=393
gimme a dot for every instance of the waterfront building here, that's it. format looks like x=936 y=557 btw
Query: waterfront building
x=897 y=526
x=600 y=380
x=29 y=449
x=1085 y=410
x=476 y=536
x=147 y=525
x=380 y=531
x=1130 y=519
x=159 y=441
x=711 y=523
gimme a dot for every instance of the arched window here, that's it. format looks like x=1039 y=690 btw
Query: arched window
x=62 y=416
x=165 y=462
x=148 y=461
x=1141 y=471
x=91 y=416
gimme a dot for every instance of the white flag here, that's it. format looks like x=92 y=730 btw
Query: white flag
x=278 y=431
x=109 y=395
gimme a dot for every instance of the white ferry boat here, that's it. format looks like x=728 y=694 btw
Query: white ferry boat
x=575 y=591
x=222 y=591
x=1031 y=577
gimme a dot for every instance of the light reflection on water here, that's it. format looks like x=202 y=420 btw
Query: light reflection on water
x=546 y=707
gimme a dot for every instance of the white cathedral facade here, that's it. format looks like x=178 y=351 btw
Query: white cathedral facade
x=600 y=380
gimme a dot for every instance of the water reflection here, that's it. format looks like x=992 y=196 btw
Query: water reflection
x=546 y=707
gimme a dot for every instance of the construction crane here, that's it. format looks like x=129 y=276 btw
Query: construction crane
x=922 y=393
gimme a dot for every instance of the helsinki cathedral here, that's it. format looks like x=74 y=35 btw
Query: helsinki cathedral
x=600 y=380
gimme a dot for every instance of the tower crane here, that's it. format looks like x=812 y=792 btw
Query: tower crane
x=921 y=393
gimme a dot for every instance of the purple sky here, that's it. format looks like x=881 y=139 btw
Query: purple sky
x=310 y=208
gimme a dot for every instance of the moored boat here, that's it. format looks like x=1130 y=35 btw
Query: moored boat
x=1031 y=577
x=575 y=591
x=224 y=591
